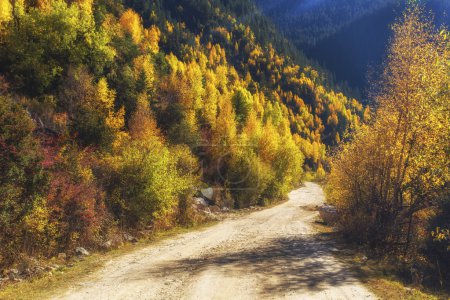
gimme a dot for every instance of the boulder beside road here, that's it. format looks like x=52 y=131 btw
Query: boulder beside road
x=329 y=214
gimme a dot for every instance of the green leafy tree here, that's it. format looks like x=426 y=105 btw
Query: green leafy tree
x=38 y=47
x=242 y=104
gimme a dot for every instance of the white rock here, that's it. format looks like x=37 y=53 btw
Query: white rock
x=51 y=267
x=200 y=201
x=208 y=193
x=107 y=244
x=129 y=238
x=81 y=251
x=328 y=213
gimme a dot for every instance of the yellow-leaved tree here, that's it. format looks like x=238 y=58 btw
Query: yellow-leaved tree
x=131 y=23
x=5 y=11
x=388 y=181
x=148 y=182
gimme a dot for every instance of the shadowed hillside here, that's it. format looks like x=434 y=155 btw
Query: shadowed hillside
x=345 y=36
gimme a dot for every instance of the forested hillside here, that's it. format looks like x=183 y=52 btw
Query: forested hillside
x=113 y=114
x=349 y=37
x=299 y=19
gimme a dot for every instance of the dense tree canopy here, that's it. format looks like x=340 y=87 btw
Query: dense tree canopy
x=113 y=114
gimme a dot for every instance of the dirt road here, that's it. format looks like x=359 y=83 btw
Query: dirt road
x=268 y=254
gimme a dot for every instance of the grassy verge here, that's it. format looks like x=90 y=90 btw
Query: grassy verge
x=391 y=288
x=380 y=275
x=58 y=281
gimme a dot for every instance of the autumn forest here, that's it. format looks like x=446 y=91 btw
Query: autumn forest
x=115 y=113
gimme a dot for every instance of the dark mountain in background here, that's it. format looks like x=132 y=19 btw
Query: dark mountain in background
x=310 y=21
x=345 y=36
x=357 y=47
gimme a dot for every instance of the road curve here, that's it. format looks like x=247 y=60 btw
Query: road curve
x=268 y=254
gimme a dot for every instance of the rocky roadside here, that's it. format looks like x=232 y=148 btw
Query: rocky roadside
x=209 y=205
x=30 y=267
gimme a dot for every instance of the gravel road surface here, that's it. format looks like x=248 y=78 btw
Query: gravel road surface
x=269 y=254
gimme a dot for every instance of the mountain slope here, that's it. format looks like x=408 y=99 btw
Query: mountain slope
x=345 y=36
x=114 y=114
x=308 y=22
x=302 y=89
